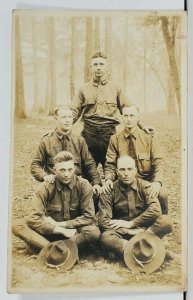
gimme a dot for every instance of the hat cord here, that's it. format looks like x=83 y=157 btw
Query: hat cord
x=139 y=262
x=58 y=266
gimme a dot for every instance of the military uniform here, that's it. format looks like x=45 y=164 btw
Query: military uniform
x=99 y=104
x=62 y=202
x=148 y=157
x=54 y=142
x=130 y=203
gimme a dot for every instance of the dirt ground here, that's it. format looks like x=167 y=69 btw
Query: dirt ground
x=94 y=271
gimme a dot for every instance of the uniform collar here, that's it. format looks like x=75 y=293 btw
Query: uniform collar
x=124 y=187
x=103 y=81
x=70 y=185
x=133 y=133
x=60 y=135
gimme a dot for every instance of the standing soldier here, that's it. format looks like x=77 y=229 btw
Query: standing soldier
x=100 y=103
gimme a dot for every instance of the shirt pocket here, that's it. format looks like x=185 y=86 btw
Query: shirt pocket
x=144 y=163
x=111 y=106
x=74 y=210
x=140 y=207
x=54 y=209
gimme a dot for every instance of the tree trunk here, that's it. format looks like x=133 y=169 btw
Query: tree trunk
x=36 y=107
x=52 y=66
x=97 y=34
x=172 y=60
x=88 y=47
x=108 y=42
x=72 y=56
x=19 y=86
x=171 y=100
x=125 y=63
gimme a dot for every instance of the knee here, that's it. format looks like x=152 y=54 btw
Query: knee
x=92 y=232
x=166 y=223
x=106 y=237
x=18 y=225
x=163 y=194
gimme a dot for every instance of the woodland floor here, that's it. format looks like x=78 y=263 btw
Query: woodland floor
x=94 y=271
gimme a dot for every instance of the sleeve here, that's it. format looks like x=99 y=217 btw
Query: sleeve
x=38 y=162
x=121 y=99
x=86 y=207
x=157 y=159
x=152 y=212
x=111 y=160
x=105 y=211
x=76 y=105
x=37 y=220
x=89 y=164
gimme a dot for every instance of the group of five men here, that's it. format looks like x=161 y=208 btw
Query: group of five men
x=131 y=197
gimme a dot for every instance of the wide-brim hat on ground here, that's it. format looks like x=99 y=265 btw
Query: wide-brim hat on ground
x=145 y=252
x=62 y=254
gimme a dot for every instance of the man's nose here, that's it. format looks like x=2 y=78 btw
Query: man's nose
x=126 y=172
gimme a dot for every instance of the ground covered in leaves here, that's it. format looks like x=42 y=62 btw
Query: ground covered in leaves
x=94 y=270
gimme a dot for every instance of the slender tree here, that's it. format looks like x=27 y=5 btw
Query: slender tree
x=170 y=45
x=36 y=107
x=108 y=42
x=88 y=47
x=72 y=55
x=51 y=80
x=125 y=54
x=20 y=111
x=97 y=34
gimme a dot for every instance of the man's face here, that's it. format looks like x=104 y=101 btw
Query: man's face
x=98 y=67
x=64 y=171
x=64 y=119
x=130 y=117
x=126 y=171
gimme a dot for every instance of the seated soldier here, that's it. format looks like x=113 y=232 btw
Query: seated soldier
x=144 y=149
x=128 y=209
x=61 y=210
x=62 y=139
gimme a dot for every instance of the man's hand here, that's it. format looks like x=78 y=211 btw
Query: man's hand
x=116 y=224
x=49 y=178
x=154 y=189
x=55 y=223
x=68 y=233
x=97 y=189
x=107 y=186
x=149 y=129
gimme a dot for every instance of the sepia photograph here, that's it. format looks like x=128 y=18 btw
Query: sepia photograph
x=98 y=164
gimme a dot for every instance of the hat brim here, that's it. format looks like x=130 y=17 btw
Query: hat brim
x=73 y=257
x=156 y=261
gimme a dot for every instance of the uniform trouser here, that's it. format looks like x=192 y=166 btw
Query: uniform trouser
x=84 y=235
x=163 y=199
x=97 y=140
x=113 y=240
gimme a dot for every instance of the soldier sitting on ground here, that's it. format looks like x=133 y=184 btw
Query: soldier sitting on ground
x=128 y=210
x=60 y=210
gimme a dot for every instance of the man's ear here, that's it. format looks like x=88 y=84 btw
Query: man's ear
x=54 y=169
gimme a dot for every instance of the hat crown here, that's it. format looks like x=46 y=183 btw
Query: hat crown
x=143 y=250
x=57 y=253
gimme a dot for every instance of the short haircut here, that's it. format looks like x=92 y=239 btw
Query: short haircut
x=130 y=105
x=127 y=158
x=61 y=107
x=63 y=156
x=99 y=54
